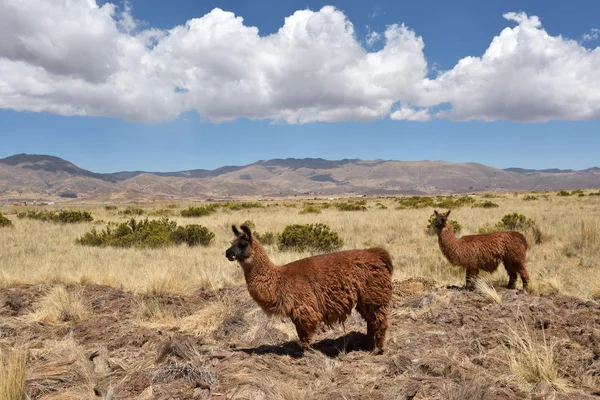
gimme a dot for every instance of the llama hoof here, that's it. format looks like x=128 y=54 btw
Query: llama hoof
x=377 y=352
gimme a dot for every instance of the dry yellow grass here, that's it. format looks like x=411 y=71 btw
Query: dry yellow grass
x=12 y=374
x=37 y=252
x=60 y=305
x=531 y=358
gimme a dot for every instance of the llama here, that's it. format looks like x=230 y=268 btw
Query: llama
x=486 y=251
x=319 y=289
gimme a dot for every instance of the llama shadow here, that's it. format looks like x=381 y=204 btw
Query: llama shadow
x=352 y=341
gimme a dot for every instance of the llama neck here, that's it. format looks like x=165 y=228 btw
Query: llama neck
x=448 y=243
x=263 y=279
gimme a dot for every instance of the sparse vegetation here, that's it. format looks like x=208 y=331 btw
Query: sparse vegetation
x=563 y=193
x=5 y=222
x=110 y=208
x=132 y=211
x=486 y=204
x=202 y=211
x=351 y=206
x=310 y=210
x=414 y=202
x=309 y=237
x=65 y=216
x=585 y=245
x=529 y=197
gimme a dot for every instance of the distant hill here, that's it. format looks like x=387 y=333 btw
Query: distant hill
x=24 y=175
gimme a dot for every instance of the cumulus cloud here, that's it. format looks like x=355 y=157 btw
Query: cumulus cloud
x=593 y=34
x=525 y=75
x=74 y=57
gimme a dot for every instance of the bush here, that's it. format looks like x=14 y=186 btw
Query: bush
x=577 y=192
x=267 y=238
x=486 y=204
x=530 y=197
x=414 y=202
x=516 y=221
x=351 y=206
x=65 y=216
x=147 y=234
x=193 y=235
x=241 y=206
x=453 y=202
x=130 y=211
x=381 y=206
x=202 y=211
x=311 y=210
x=4 y=222
x=563 y=193
x=312 y=237
x=110 y=208
x=456 y=227
x=163 y=212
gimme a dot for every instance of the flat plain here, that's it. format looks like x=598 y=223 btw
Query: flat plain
x=79 y=322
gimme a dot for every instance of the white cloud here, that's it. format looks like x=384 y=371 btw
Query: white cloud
x=525 y=75
x=73 y=57
x=410 y=114
x=593 y=34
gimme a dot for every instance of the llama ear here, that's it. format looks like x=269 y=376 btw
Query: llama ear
x=247 y=231
x=448 y=213
x=436 y=213
x=235 y=230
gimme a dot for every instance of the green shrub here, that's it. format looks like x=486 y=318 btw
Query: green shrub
x=595 y=194
x=65 y=216
x=414 y=202
x=381 y=206
x=312 y=237
x=241 y=206
x=577 y=192
x=267 y=238
x=130 y=211
x=453 y=202
x=563 y=193
x=310 y=210
x=202 y=211
x=530 y=197
x=486 y=204
x=351 y=206
x=456 y=227
x=163 y=212
x=489 y=196
x=147 y=234
x=110 y=208
x=516 y=221
x=4 y=222
x=193 y=235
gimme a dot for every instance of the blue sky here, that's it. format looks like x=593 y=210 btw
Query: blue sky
x=121 y=117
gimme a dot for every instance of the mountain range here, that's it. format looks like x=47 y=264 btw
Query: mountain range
x=29 y=176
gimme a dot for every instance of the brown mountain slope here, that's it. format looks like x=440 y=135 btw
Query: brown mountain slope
x=49 y=176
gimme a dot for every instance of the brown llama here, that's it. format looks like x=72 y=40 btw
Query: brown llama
x=319 y=289
x=485 y=251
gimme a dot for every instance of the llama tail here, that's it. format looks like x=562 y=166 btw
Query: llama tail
x=385 y=257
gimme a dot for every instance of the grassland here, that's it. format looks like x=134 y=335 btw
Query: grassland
x=129 y=323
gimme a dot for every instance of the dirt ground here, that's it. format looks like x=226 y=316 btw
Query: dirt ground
x=443 y=343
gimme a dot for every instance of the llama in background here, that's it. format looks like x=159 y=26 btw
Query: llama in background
x=485 y=252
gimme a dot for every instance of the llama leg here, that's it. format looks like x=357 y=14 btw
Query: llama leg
x=471 y=278
x=305 y=334
x=525 y=278
x=512 y=280
x=381 y=326
x=370 y=318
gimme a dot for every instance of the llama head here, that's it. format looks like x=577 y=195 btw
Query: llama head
x=440 y=220
x=241 y=246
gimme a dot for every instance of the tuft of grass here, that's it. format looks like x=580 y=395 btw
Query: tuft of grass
x=60 y=305
x=530 y=358
x=484 y=286
x=310 y=210
x=12 y=375
x=585 y=245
